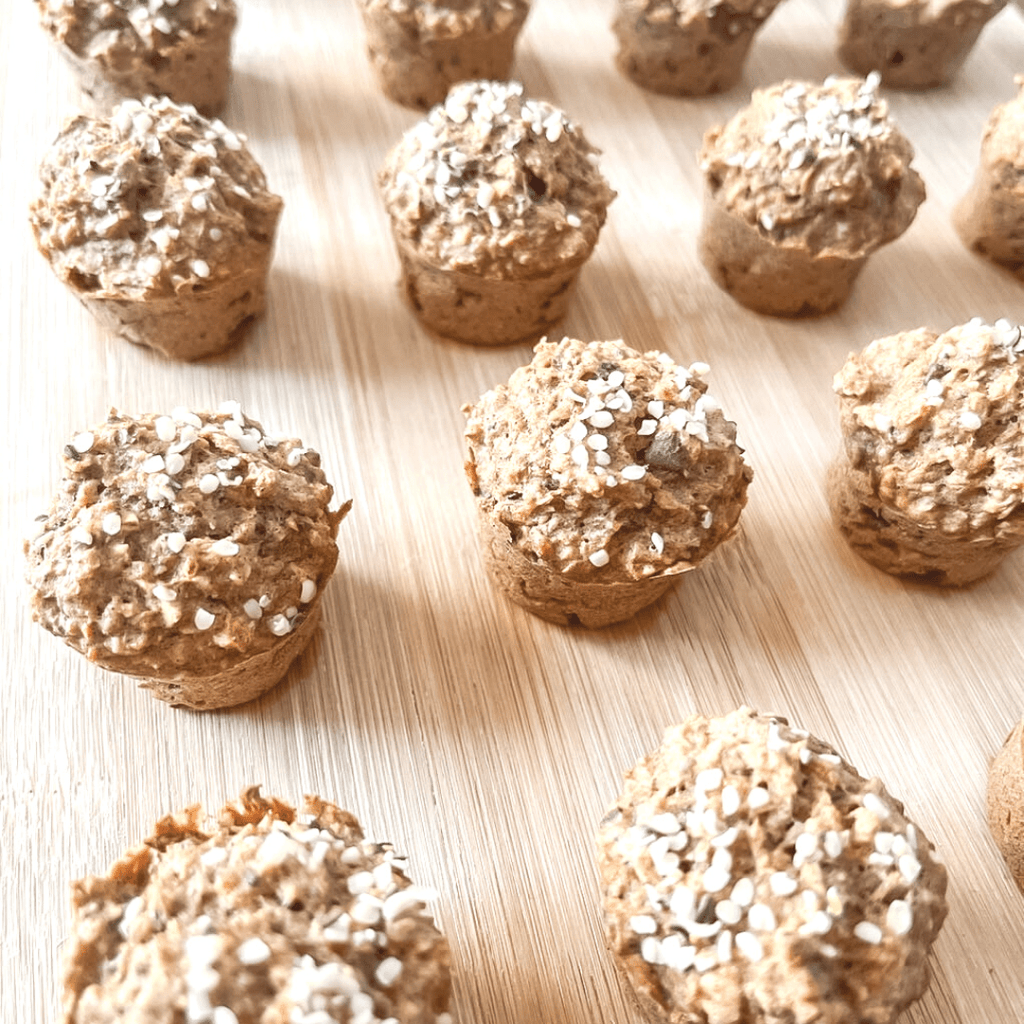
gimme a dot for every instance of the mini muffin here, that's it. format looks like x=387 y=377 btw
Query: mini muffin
x=600 y=475
x=419 y=48
x=990 y=217
x=188 y=550
x=128 y=49
x=687 y=47
x=912 y=44
x=1006 y=802
x=751 y=876
x=160 y=223
x=259 y=914
x=930 y=482
x=496 y=203
x=802 y=186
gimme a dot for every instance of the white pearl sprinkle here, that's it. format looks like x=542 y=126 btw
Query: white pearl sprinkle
x=208 y=483
x=308 y=591
x=225 y=547
x=111 y=524
x=280 y=626
x=203 y=619
x=252 y=609
x=80 y=535
x=868 y=932
x=175 y=542
x=600 y=558
x=83 y=442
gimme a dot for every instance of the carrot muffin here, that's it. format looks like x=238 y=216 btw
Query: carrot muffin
x=930 y=482
x=419 y=48
x=257 y=914
x=600 y=475
x=990 y=217
x=128 y=49
x=801 y=187
x=189 y=550
x=1006 y=802
x=912 y=44
x=496 y=203
x=687 y=47
x=160 y=223
x=751 y=876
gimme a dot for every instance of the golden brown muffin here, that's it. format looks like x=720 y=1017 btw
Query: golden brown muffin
x=1005 y=802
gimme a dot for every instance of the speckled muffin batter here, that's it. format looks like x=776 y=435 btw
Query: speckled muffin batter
x=687 y=47
x=190 y=550
x=419 y=49
x=259 y=915
x=160 y=223
x=751 y=876
x=990 y=217
x=913 y=44
x=495 y=201
x=802 y=186
x=930 y=482
x=124 y=49
x=601 y=474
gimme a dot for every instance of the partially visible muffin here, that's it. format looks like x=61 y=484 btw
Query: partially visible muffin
x=259 y=914
x=129 y=49
x=930 y=481
x=420 y=48
x=990 y=217
x=750 y=875
x=912 y=44
x=687 y=47
x=600 y=475
x=161 y=224
x=190 y=551
x=496 y=202
x=801 y=187
x=1005 y=802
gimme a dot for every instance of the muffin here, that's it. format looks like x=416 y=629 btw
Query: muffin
x=930 y=481
x=750 y=876
x=990 y=217
x=160 y=223
x=600 y=475
x=257 y=914
x=687 y=47
x=912 y=44
x=188 y=550
x=496 y=203
x=128 y=49
x=1006 y=802
x=419 y=49
x=801 y=187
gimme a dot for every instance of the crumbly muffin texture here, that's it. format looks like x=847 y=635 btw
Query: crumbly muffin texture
x=451 y=19
x=737 y=15
x=183 y=543
x=260 y=915
x=607 y=464
x=822 y=168
x=751 y=876
x=934 y=421
x=496 y=185
x=154 y=202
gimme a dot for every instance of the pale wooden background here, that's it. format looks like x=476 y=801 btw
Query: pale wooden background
x=486 y=743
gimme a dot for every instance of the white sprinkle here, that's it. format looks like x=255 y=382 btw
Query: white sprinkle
x=730 y=801
x=643 y=924
x=174 y=463
x=153 y=265
x=111 y=524
x=253 y=951
x=600 y=558
x=970 y=420
x=650 y=950
x=910 y=867
x=899 y=918
x=833 y=844
x=308 y=591
x=757 y=798
x=602 y=419
x=165 y=428
x=728 y=912
x=577 y=432
x=580 y=456
x=876 y=805
x=743 y=892
x=83 y=442
x=708 y=780
x=750 y=946
x=819 y=924
x=761 y=918
x=225 y=547
x=633 y=472
x=656 y=408
x=868 y=932
x=154 y=464
x=208 y=483
x=716 y=879
x=647 y=428
x=782 y=884
x=80 y=535
x=666 y=824
x=597 y=442
x=572 y=220
x=201 y=268
x=203 y=619
x=658 y=542
x=175 y=542
x=388 y=971
x=223 y=1015
x=252 y=609
x=162 y=593
x=280 y=626
x=562 y=444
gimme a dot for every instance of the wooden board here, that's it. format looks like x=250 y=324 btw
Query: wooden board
x=483 y=742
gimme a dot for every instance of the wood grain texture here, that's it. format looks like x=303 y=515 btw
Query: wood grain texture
x=483 y=742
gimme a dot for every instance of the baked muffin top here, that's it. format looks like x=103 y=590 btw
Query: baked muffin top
x=606 y=463
x=260 y=914
x=820 y=167
x=450 y=19
x=495 y=185
x=152 y=201
x=751 y=875
x=682 y=12
x=935 y=419
x=182 y=544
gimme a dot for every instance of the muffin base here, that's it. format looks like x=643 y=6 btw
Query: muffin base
x=191 y=324
x=888 y=542
x=1005 y=802
x=196 y=70
x=909 y=53
x=768 y=277
x=242 y=683
x=485 y=311
x=549 y=595
x=990 y=221
x=419 y=72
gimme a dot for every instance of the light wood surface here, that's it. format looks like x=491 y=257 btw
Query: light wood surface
x=483 y=742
